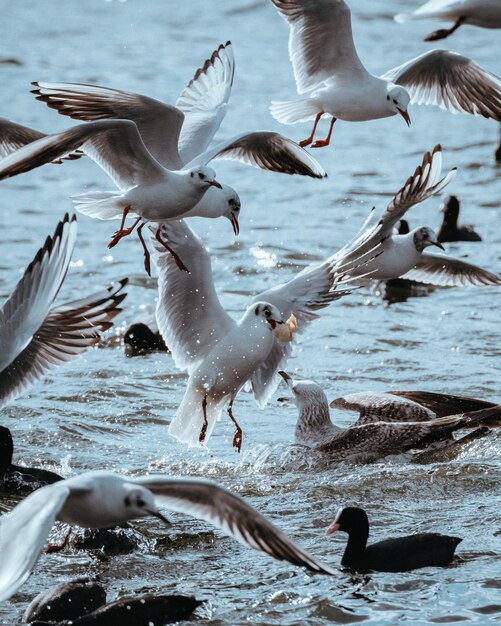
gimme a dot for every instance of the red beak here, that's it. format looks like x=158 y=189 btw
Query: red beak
x=332 y=528
x=214 y=183
x=406 y=116
x=235 y=224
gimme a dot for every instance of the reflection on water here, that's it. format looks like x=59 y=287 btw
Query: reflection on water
x=108 y=411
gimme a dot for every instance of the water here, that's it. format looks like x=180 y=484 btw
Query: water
x=106 y=411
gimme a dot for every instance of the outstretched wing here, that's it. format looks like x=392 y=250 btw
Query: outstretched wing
x=383 y=407
x=452 y=82
x=23 y=533
x=311 y=290
x=190 y=317
x=25 y=310
x=204 y=102
x=444 y=271
x=115 y=145
x=424 y=183
x=65 y=333
x=320 y=40
x=207 y=501
x=159 y=124
x=265 y=150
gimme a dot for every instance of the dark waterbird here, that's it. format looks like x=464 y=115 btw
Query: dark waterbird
x=400 y=554
x=450 y=230
x=17 y=479
x=140 y=339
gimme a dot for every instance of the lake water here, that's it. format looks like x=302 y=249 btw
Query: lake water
x=107 y=411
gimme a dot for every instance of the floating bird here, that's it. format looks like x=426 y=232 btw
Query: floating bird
x=400 y=554
x=84 y=603
x=18 y=479
x=325 y=60
x=483 y=13
x=220 y=354
x=140 y=339
x=450 y=230
x=387 y=424
x=101 y=499
x=34 y=336
x=404 y=255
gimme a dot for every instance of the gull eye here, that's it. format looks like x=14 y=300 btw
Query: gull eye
x=236 y=209
x=267 y=312
x=127 y=501
x=201 y=176
x=141 y=502
x=394 y=101
x=387 y=97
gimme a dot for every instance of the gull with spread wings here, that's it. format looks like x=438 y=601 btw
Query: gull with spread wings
x=326 y=63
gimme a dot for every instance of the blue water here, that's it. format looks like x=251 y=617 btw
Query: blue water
x=107 y=411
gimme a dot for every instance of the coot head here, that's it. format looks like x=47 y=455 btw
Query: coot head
x=351 y=520
x=450 y=209
x=6 y=449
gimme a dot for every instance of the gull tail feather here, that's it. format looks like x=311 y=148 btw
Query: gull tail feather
x=188 y=421
x=292 y=111
x=104 y=205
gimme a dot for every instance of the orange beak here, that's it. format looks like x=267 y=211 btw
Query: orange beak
x=214 y=183
x=405 y=115
x=235 y=224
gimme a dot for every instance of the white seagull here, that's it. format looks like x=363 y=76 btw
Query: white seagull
x=100 y=499
x=325 y=60
x=483 y=13
x=220 y=354
x=35 y=336
x=404 y=255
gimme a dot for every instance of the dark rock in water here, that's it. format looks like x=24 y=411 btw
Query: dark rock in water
x=66 y=602
x=143 y=611
x=141 y=339
x=107 y=540
x=16 y=479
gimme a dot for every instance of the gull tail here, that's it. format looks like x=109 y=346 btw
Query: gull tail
x=292 y=111
x=104 y=205
x=188 y=421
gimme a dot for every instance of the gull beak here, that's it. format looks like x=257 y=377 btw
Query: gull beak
x=214 y=183
x=286 y=377
x=438 y=244
x=405 y=115
x=332 y=528
x=273 y=323
x=159 y=516
x=283 y=399
x=235 y=224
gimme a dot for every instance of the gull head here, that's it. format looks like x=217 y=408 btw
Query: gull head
x=204 y=177
x=305 y=393
x=140 y=502
x=424 y=237
x=233 y=211
x=269 y=313
x=398 y=100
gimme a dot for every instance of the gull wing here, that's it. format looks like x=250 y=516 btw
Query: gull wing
x=265 y=150
x=115 y=145
x=444 y=271
x=66 y=332
x=320 y=41
x=27 y=307
x=189 y=314
x=208 y=501
x=159 y=124
x=204 y=102
x=23 y=533
x=452 y=82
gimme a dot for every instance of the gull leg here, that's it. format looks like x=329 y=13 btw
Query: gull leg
x=237 y=439
x=123 y=232
x=147 y=265
x=201 y=436
x=306 y=142
x=55 y=547
x=176 y=257
x=442 y=33
x=320 y=143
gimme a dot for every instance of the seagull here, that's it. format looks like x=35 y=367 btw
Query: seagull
x=399 y=554
x=449 y=229
x=404 y=255
x=388 y=424
x=101 y=499
x=483 y=13
x=220 y=354
x=34 y=335
x=179 y=136
x=325 y=60
x=145 y=187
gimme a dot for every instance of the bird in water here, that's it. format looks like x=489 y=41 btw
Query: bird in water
x=450 y=230
x=400 y=554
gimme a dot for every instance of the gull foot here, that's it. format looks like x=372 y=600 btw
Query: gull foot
x=305 y=142
x=442 y=33
x=320 y=143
